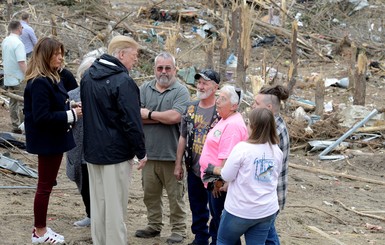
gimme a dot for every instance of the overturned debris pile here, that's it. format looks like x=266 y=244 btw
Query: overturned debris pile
x=328 y=128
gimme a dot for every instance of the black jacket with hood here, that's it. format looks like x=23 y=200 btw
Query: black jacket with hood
x=113 y=130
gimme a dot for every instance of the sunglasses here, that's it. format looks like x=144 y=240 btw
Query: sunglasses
x=238 y=91
x=161 y=68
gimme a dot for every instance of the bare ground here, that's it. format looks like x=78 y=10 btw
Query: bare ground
x=314 y=200
x=322 y=209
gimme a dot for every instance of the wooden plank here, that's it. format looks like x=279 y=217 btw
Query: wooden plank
x=324 y=234
x=347 y=176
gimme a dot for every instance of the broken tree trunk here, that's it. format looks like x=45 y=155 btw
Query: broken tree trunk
x=241 y=65
x=283 y=13
x=245 y=27
x=209 y=48
x=352 y=66
x=9 y=9
x=360 y=81
x=235 y=25
x=224 y=46
x=53 y=23
x=319 y=96
x=294 y=59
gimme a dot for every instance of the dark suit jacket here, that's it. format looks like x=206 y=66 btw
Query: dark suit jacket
x=67 y=79
x=46 y=128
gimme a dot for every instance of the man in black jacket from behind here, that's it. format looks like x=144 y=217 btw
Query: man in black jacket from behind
x=113 y=136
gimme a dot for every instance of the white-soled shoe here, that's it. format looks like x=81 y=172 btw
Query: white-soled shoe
x=83 y=223
x=50 y=237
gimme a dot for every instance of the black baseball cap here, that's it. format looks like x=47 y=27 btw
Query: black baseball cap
x=208 y=75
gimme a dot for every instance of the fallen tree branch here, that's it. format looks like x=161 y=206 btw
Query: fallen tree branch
x=306 y=206
x=347 y=176
x=324 y=234
x=360 y=213
x=371 y=129
x=287 y=33
x=72 y=22
x=11 y=95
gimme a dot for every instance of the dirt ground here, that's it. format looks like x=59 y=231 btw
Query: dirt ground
x=315 y=201
x=323 y=208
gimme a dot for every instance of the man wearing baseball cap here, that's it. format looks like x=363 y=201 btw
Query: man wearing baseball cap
x=208 y=75
x=199 y=117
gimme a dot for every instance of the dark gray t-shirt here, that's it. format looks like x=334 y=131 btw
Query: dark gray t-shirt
x=202 y=120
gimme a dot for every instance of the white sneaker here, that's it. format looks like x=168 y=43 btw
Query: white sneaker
x=83 y=223
x=49 y=237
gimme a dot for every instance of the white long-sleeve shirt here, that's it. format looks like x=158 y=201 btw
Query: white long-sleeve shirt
x=252 y=171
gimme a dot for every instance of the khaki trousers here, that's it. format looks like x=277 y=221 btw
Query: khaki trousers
x=16 y=106
x=109 y=198
x=157 y=175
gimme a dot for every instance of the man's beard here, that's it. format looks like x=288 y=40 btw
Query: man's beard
x=204 y=95
x=165 y=81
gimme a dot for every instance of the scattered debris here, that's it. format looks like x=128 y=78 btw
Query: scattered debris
x=17 y=166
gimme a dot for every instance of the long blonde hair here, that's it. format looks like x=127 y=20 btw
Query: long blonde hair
x=39 y=65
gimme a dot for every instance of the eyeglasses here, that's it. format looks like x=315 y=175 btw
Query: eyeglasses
x=238 y=91
x=160 y=68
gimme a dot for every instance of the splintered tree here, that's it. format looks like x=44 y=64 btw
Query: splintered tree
x=242 y=29
x=294 y=58
x=360 y=80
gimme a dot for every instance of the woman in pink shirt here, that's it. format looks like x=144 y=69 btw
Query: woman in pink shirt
x=228 y=132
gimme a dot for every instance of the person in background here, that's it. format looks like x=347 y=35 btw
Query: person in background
x=163 y=101
x=113 y=136
x=15 y=66
x=251 y=171
x=228 y=132
x=28 y=36
x=270 y=98
x=48 y=123
x=76 y=168
x=199 y=117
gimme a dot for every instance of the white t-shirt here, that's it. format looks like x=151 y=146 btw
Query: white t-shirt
x=13 y=52
x=252 y=171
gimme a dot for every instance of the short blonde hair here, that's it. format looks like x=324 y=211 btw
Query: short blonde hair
x=120 y=42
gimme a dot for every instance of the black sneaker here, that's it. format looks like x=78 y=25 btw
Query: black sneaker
x=174 y=238
x=147 y=232
x=196 y=243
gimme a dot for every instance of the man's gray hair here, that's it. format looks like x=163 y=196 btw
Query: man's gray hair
x=166 y=56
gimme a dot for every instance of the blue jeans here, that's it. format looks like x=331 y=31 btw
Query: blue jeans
x=233 y=227
x=216 y=206
x=272 y=237
x=198 y=198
